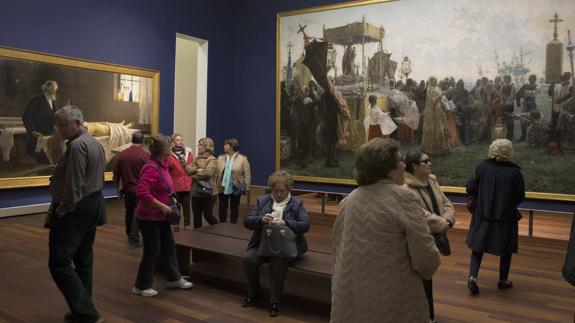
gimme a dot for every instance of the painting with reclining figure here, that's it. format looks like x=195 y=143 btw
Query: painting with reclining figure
x=447 y=77
x=116 y=101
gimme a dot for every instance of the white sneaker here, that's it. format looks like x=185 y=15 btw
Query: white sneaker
x=182 y=283
x=150 y=292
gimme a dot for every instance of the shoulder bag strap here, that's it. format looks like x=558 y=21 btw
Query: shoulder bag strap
x=168 y=188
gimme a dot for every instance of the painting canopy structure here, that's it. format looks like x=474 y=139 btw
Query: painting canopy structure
x=354 y=33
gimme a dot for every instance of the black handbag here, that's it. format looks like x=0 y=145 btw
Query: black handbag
x=442 y=243
x=441 y=240
x=203 y=188
x=277 y=241
x=175 y=206
x=239 y=189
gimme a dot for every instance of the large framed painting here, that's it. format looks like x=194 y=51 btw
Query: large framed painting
x=116 y=101
x=446 y=77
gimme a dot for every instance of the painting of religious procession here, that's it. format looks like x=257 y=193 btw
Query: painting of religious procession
x=116 y=102
x=447 y=77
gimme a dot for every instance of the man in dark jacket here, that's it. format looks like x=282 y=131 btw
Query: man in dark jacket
x=569 y=267
x=38 y=118
x=129 y=163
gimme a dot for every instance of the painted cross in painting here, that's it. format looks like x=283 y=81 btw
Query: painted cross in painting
x=446 y=77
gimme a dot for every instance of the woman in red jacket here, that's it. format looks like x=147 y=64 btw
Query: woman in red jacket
x=181 y=157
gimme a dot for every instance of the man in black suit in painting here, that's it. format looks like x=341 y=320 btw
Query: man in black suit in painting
x=38 y=118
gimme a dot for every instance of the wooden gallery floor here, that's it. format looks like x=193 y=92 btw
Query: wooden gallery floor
x=27 y=293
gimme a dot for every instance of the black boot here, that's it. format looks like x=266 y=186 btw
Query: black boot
x=275 y=310
x=472 y=285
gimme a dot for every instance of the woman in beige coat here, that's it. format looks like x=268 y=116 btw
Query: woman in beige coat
x=382 y=244
x=436 y=206
x=234 y=179
x=203 y=171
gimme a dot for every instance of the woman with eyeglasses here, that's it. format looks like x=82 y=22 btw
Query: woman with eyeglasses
x=436 y=206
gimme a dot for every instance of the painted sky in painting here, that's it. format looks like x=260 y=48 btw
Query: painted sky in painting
x=445 y=37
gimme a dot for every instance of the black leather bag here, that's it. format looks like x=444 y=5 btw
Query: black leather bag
x=239 y=189
x=203 y=188
x=442 y=243
x=277 y=241
x=441 y=240
x=175 y=206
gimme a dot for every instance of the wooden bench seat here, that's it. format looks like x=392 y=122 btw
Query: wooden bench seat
x=218 y=250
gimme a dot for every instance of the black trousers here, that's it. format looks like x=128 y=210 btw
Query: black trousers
x=132 y=230
x=184 y=199
x=504 y=265
x=158 y=240
x=278 y=268
x=71 y=255
x=203 y=206
x=428 y=286
x=223 y=207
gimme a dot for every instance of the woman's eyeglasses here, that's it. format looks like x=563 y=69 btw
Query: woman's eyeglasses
x=425 y=161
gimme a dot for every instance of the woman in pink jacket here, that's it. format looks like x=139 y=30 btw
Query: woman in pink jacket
x=180 y=158
x=153 y=193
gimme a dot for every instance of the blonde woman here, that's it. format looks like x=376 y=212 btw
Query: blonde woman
x=234 y=179
x=496 y=188
x=203 y=170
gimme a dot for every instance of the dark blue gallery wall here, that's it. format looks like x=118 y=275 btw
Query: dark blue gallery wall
x=127 y=32
x=253 y=75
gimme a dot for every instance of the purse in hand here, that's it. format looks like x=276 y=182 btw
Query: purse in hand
x=203 y=188
x=277 y=241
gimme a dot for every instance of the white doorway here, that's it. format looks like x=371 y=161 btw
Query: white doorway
x=191 y=89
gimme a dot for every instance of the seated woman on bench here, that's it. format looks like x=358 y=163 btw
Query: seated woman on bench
x=278 y=208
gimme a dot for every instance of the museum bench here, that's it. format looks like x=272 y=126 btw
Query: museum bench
x=216 y=252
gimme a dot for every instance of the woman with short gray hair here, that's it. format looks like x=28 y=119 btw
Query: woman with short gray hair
x=277 y=208
x=495 y=191
x=382 y=244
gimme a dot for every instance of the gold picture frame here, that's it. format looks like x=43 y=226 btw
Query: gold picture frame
x=331 y=23
x=99 y=89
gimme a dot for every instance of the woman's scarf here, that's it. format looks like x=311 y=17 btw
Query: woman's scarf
x=180 y=153
x=227 y=178
x=279 y=207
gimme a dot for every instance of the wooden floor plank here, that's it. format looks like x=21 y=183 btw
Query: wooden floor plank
x=27 y=293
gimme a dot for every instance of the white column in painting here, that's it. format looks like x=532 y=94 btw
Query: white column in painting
x=190 y=88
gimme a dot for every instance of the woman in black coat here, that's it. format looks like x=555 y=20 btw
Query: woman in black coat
x=569 y=266
x=496 y=188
